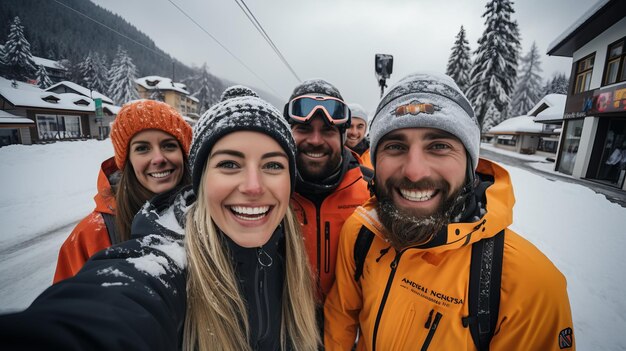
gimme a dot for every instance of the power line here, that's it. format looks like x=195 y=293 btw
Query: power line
x=113 y=30
x=264 y=34
x=222 y=45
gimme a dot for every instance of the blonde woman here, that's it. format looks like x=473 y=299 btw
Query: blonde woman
x=218 y=266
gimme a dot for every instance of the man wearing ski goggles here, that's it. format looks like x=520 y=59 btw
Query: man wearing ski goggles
x=302 y=108
x=330 y=183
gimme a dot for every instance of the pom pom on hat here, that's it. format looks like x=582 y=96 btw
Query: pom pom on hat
x=237 y=91
x=140 y=115
x=426 y=100
x=240 y=110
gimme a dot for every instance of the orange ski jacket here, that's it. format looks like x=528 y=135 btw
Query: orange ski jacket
x=416 y=298
x=321 y=225
x=90 y=235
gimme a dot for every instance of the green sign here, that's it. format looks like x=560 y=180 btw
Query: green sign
x=99 y=113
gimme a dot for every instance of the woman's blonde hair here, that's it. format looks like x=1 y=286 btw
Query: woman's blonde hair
x=216 y=312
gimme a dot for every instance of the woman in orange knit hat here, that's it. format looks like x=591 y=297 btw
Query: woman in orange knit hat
x=151 y=144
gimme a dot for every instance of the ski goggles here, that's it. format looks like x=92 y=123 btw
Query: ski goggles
x=302 y=108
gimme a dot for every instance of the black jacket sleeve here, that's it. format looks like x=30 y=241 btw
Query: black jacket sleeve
x=128 y=297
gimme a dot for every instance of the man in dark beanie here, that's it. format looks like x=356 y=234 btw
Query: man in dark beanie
x=429 y=262
x=329 y=184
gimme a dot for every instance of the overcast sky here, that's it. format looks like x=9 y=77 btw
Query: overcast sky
x=335 y=39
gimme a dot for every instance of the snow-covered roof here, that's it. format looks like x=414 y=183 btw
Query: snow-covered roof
x=113 y=109
x=29 y=95
x=161 y=83
x=550 y=108
x=520 y=124
x=40 y=61
x=556 y=46
x=81 y=90
x=193 y=98
x=9 y=118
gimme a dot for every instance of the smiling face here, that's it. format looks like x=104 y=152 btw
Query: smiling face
x=419 y=175
x=247 y=186
x=157 y=160
x=318 y=149
x=356 y=132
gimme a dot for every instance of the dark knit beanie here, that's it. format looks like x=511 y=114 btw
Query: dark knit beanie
x=315 y=86
x=234 y=113
x=139 y=115
x=426 y=100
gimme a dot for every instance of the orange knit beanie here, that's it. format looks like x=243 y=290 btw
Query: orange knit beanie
x=140 y=115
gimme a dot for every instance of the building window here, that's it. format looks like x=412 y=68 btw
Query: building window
x=583 y=74
x=573 y=130
x=58 y=127
x=614 y=71
x=509 y=140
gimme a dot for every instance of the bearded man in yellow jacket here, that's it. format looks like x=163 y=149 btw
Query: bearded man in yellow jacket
x=434 y=200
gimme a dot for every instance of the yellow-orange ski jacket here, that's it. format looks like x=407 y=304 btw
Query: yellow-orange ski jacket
x=420 y=302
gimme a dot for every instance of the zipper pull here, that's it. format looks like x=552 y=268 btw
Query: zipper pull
x=430 y=318
x=265 y=260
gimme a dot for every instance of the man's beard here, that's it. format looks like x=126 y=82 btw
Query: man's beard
x=316 y=171
x=406 y=229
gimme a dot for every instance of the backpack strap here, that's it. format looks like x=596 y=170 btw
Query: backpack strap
x=484 y=289
x=361 y=247
x=109 y=222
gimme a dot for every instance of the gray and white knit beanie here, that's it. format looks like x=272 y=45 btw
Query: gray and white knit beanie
x=240 y=109
x=357 y=111
x=443 y=107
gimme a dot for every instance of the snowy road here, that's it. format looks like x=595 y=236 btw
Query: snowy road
x=27 y=265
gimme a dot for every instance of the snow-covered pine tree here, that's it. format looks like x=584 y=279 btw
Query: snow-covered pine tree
x=528 y=88
x=43 y=81
x=459 y=63
x=207 y=88
x=93 y=72
x=493 y=73
x=122 y=78
x=492 y=118
x=17 y=56
x=557 y=85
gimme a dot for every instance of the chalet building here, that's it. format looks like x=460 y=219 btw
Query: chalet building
x=64 y=111
x=593 y=140
x=173 y=94
x=519 y=134
x=549 y=112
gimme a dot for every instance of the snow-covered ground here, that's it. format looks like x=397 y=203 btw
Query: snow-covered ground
x=47 y=188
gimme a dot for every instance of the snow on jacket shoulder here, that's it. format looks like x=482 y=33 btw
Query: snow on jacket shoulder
x=90 y=235
x=421 y=302
x=131 y=296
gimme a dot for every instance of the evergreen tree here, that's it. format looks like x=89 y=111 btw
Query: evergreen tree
x=492 y=118
x=17 y=55
x=459 y=63
x=122 y=77
x=207 y=88
x=493 y=73
x=528 y=89
x=43 y=81
x=557 y=85
x=94 y=73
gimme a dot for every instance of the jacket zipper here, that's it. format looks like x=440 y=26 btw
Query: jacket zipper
x=319 y=242
x=326 y=247
x=393 y=265
x=262 y=302
x=432 y=329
